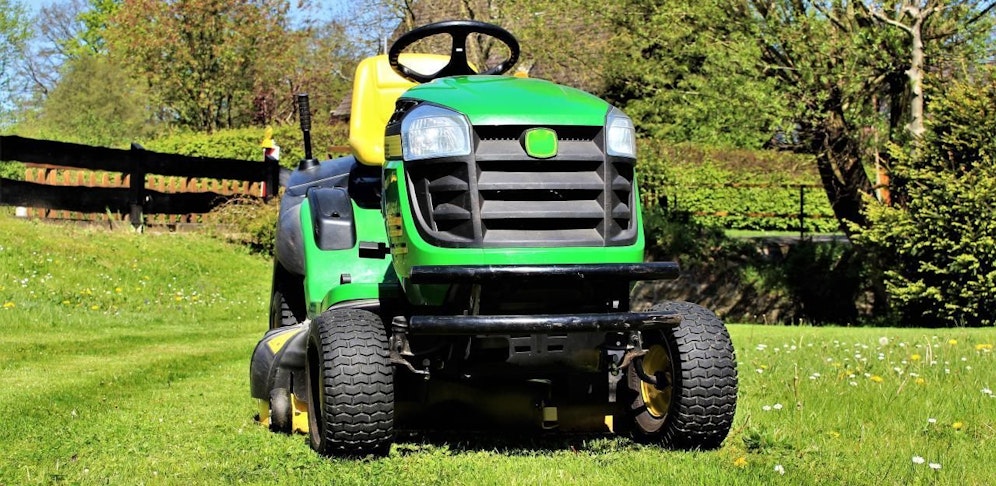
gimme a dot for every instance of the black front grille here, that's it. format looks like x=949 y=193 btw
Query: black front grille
x=500 y=196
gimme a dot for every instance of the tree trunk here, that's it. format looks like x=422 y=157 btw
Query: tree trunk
x=915 y=72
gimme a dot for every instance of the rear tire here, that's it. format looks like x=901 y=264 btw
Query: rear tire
x=692 y=406
x=351 y=383
x=287 y=298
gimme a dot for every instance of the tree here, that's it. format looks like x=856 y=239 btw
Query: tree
x=96 y=101
x=213 y=64
x=939 y=251
x=692 y=71
x=14 y=33
x=917 y=15
x=565 y=41
x=837 y=68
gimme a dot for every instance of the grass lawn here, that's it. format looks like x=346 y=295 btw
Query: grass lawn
x=125 y=361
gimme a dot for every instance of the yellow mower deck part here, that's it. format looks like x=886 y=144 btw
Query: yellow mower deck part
x=299 y=419
x=376 y=87
x=264 y=412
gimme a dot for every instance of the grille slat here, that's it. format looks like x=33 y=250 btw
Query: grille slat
x=541 y=210
x=450 y=212
x=449 y=184
x=499 y=196
x=540 y=181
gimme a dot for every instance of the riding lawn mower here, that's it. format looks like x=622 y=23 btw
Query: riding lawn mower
x=469 y=267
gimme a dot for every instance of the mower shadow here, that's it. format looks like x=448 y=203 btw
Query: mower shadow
x=510 y=443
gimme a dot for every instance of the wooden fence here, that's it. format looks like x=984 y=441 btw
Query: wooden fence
x=72 y=181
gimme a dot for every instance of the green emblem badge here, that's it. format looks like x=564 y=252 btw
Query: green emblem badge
x=541 y=143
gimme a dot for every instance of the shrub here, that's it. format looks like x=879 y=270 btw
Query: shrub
x=938 y=251
x=733 y=188
x=254 y=222
x=243 y=143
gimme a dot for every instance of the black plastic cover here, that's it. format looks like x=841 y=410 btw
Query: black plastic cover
x=332 y=218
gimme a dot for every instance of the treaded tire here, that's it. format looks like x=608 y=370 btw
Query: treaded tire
x=286 y=298
x=351 y=383
x=697 y=411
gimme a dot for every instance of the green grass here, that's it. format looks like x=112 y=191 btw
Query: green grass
x=125 y=361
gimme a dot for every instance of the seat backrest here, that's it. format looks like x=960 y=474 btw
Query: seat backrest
x=376 y=87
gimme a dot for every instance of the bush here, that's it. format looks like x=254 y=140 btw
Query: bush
x=243 y=143
x=938 y=251
x=254 y=222
x=731 y=188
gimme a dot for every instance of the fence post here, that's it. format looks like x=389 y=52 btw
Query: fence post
x=136 y=193
x=271 y=184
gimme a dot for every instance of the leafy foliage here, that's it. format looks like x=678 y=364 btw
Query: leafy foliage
x=688 y=71
x=95 y=102
x=733 y=189
x=825 y=78
x=14 y=34
x=243 y=143
x=254 y=220
x=212 y=64
x=939 y=250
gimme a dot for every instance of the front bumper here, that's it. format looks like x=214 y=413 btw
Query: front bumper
x=543 y=324
x=597 y=276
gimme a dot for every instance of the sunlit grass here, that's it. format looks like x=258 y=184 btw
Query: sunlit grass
x=151 y=387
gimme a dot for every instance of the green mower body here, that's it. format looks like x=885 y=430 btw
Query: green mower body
x=479 y=277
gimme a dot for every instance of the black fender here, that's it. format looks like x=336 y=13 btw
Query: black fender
x=277 y=371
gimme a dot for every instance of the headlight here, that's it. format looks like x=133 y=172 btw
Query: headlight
x=430 y=131
x=620 y=136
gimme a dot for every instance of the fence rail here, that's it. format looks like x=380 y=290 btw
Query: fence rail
x=137 y=191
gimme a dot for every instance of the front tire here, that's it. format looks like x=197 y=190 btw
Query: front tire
x=351 y=382
x=693 y=403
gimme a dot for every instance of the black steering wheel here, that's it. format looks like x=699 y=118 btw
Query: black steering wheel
x=458 y=64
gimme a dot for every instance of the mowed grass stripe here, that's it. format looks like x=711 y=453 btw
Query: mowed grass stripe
x=83 y=374
x=34 y=347
x=104 y=411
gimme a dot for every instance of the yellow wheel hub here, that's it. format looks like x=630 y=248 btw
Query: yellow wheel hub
x=657 y=400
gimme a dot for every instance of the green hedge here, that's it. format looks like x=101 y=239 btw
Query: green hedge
x=243 y=143
x=701 y=181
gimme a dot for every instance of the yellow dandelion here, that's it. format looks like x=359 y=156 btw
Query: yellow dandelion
x=952 y=341
x=984 y=347
x=920 y=381
x=94 y=307
x=877 y=379
x=914 y=357
x=178 y=298
x=740 y=461
x=8 y=305
x=957 y=425
x=66 y=302
x=118 y=289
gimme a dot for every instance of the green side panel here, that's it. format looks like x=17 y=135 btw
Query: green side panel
x=506 y=100
x=323 y=269
x=408 y=249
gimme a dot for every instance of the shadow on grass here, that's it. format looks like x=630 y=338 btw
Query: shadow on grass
x=511 y=443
